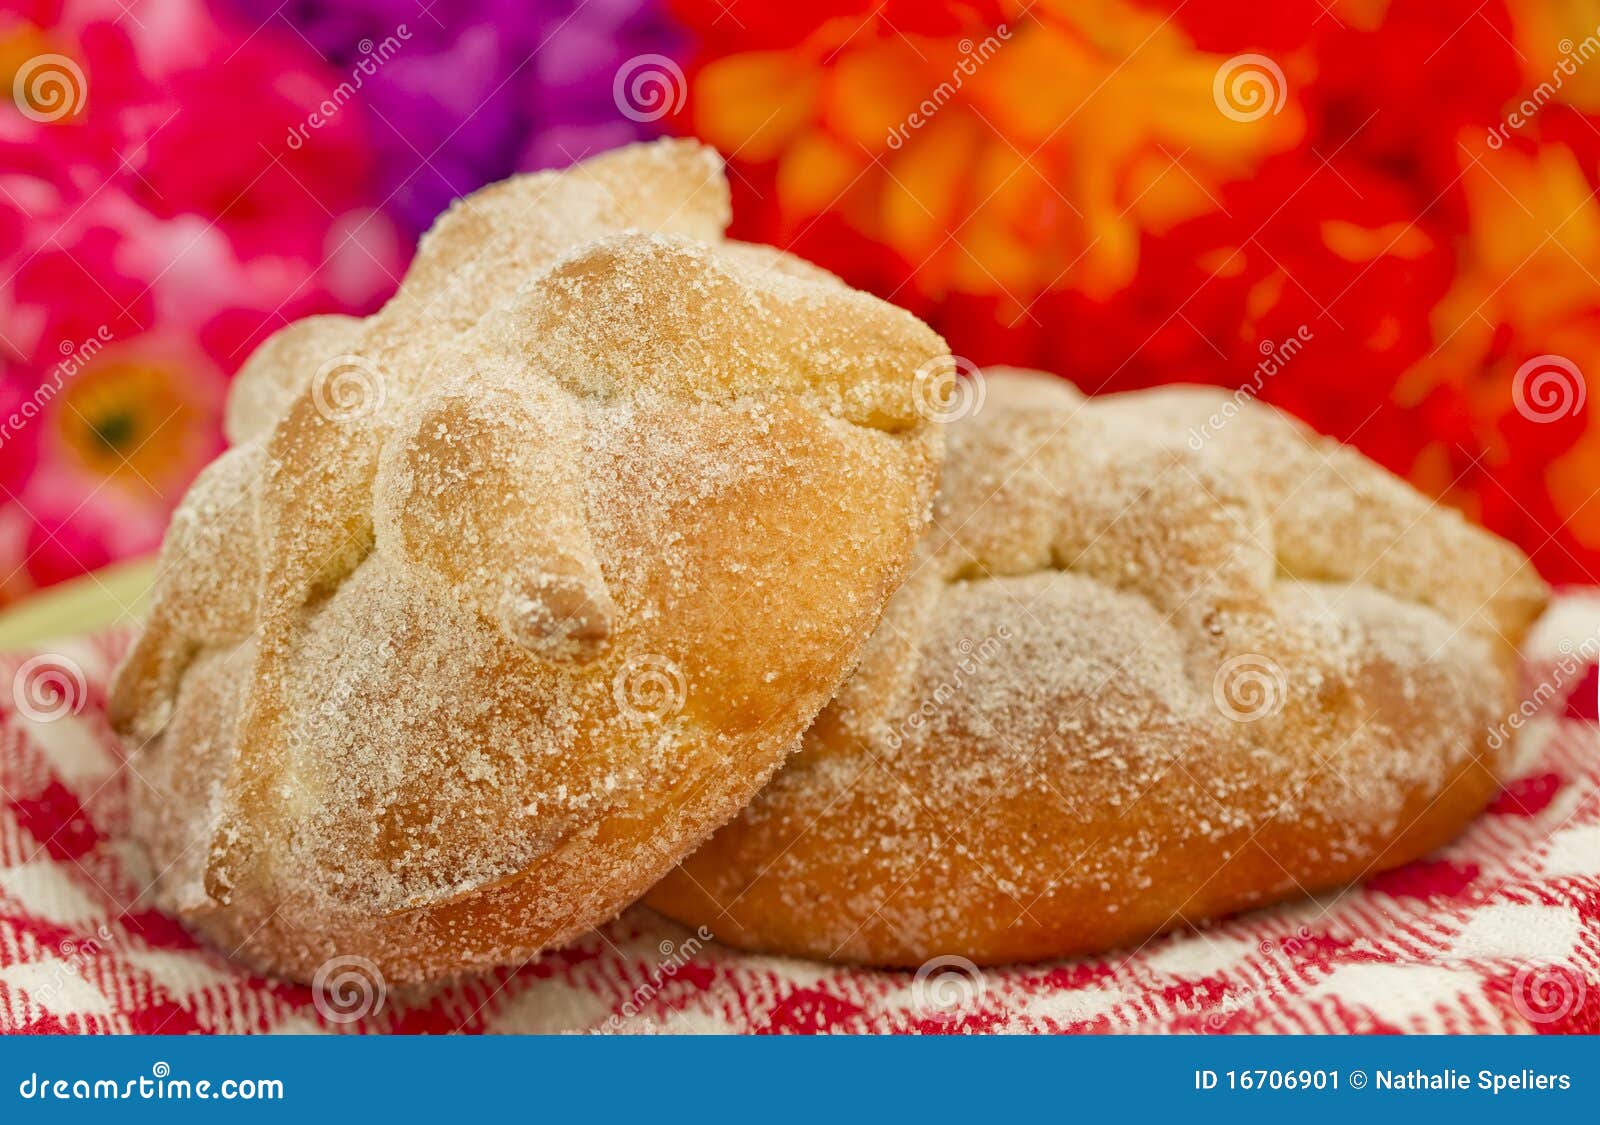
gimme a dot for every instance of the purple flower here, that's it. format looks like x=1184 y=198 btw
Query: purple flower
x=463 y=94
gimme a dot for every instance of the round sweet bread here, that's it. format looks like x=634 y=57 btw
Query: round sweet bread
x=510 y=594
x=1167 y=655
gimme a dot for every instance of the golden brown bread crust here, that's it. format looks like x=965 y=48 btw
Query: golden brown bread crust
x=1150 y=670
x=510 y=594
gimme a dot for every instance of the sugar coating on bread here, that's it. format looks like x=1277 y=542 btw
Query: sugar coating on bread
x=1164 y=656
x=511 y=593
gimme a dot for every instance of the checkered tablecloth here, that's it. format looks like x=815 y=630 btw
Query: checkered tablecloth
x=1498 y=932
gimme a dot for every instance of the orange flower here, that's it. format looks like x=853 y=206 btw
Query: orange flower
x=1525 y=289
x=1014 y=158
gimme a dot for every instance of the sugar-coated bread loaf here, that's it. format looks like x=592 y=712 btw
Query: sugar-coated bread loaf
x=510 y=594
x=1166 y=655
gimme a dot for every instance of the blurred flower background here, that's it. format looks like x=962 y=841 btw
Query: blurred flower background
x=1380 y=215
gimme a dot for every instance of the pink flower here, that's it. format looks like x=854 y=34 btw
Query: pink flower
x=175 y=211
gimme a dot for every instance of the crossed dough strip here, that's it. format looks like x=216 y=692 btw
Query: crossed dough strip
x=1149 y=671
x=508 y=595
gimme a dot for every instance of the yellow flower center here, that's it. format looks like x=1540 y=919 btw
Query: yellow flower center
x=123 y=419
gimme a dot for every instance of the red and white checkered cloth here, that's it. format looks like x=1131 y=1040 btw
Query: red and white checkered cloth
x=1498 y=932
